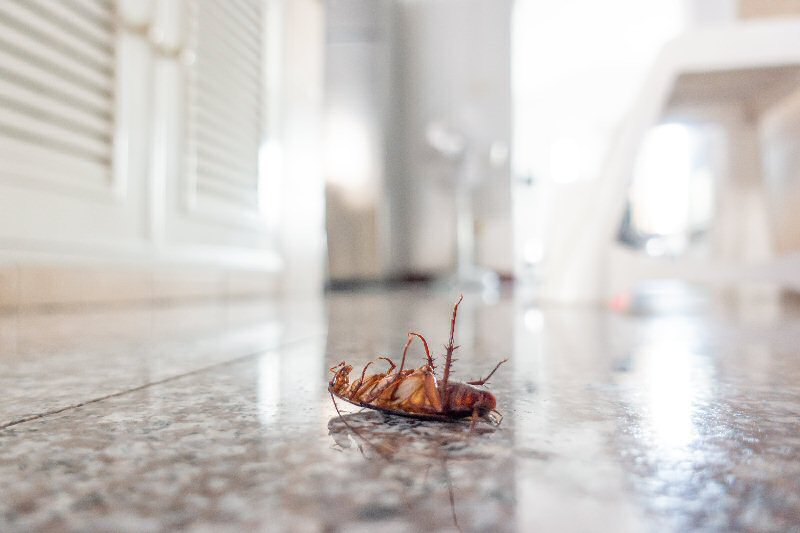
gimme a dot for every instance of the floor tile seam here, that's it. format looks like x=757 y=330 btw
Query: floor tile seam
x=235 y=360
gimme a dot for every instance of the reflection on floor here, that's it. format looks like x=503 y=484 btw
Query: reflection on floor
x=214 y=418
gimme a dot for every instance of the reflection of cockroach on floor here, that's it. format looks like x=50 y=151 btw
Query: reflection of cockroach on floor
x=392 y=446
x=418 y=393
x=409 y=443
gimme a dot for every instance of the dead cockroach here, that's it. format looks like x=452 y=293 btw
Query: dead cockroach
x=417 y=393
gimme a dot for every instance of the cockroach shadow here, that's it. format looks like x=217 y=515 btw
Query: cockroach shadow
x=389 y=436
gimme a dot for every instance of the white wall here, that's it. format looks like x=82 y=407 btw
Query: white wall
x=395 y=66
x=578 y=66
x=359 y=101
x=455 y=63
x=736 y=63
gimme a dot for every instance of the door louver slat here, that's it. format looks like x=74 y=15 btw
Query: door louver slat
x=81 y=28
x=47 y=30
x=99 y=12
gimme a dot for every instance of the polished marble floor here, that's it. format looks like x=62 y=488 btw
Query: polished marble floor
x=654 y=417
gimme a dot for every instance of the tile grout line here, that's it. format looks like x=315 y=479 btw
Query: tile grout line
x=37 y=416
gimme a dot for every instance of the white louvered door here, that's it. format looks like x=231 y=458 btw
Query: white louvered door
x=136 y=127
x=72 y=128
x=217 y=90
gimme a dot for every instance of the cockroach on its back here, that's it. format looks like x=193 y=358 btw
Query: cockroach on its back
x=417 y=393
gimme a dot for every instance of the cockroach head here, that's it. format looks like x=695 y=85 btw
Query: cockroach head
x=486 y=402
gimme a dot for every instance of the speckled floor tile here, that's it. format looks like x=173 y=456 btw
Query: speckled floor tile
x=54 y=360
x=656 y=422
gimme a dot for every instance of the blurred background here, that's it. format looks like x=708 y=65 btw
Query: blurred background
x=169 y=149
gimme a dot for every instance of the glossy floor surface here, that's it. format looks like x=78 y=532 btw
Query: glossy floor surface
x=216 y=418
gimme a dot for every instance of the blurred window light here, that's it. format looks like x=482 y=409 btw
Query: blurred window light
x=676 y=382
x=350 y=156
x=576 y=66
x=670 y=394
x=575 y=156
x=660 y=191
x=532 y=251
x=270 y=164
x=671 y=198
x=533 y=319
x=269 y=387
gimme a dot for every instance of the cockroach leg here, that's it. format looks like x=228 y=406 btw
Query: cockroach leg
x=484 y=380
x=377 y=391
x=405 y=351
x=474 y=419
x=402 y=364
x=363 y=372
x=450 y=348
x=425 y=344
x=392 y=366
x=432 y=393
x=335 y=406
x=496 y=412
x=336 y=367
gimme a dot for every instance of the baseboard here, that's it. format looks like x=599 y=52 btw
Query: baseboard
x=37 y=285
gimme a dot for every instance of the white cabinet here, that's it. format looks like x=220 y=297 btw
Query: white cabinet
x=212 y=114
x=135 y=129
